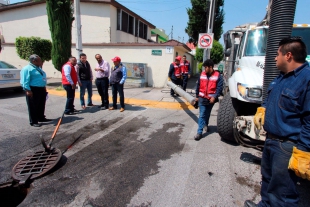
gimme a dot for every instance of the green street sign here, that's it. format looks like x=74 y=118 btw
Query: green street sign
x=157 y=52
x=220 y=68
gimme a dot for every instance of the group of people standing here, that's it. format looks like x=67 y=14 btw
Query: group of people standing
x=80 y=73
x=33 y=81
x=179 y=73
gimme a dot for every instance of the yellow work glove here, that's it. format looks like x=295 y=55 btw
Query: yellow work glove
x=300 y=163
x=259 y=118
x=169 y=79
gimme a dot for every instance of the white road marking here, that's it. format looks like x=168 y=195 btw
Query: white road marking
x=81 y=145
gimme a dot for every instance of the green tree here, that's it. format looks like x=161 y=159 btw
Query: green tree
x=217 y=53
x=199 y=54
x=26 y=46
x=198 y=19
x=60 y=17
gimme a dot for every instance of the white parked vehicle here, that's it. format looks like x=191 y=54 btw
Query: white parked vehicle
x=243 y=74
x=9 y=77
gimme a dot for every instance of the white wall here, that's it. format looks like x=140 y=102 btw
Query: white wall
x=95 y=21
x=26 y=22
x=158 y=66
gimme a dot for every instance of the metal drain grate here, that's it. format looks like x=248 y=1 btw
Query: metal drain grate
x=36 y=165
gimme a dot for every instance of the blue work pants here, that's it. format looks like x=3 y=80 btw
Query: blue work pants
x=278 y=182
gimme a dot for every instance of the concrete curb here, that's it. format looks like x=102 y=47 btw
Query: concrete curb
x=132 y=101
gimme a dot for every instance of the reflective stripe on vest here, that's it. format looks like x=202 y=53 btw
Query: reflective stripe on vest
x=207 y=87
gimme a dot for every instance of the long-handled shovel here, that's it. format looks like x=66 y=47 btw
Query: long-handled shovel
x=48 y=147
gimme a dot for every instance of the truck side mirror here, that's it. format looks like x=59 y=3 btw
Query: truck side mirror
x=227 y=52
x=227 y=40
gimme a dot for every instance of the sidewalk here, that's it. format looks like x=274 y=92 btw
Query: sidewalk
x=147 y=96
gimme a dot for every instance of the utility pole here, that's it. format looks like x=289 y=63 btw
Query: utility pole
x=172 y=32
x=78 y=27
x=209 y=26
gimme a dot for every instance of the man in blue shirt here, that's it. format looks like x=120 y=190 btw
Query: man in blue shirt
x=33 y=81
x=117 y=80
x=285 y=115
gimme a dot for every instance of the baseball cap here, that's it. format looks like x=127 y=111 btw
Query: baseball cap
x=178 y=58
x=116 y=59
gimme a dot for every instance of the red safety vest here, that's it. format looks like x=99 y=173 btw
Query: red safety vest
x=177 y=70
x=184 y=67
x=72 y=74
x=207 y=87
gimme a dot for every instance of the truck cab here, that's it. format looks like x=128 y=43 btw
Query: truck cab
x=245 y=51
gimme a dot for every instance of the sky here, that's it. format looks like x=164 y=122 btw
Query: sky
x=171 y=15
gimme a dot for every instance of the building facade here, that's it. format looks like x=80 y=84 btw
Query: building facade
x=108 y=28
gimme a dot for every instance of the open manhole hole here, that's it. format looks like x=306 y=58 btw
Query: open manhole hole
x=12 y=196
x=12 y=193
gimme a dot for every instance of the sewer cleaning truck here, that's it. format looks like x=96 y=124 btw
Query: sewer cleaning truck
x=245 y=71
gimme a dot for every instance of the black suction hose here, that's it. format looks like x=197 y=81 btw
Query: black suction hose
x=281 y=22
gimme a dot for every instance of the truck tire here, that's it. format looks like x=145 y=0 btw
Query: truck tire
x=225 y=118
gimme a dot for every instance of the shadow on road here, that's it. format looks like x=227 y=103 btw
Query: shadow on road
x=250 y=158
x=5 y=94
x=187 y=110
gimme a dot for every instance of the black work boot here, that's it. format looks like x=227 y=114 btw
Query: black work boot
x=249 y=203
x=198 y=137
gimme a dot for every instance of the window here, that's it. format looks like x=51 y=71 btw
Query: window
x=142 y=30
x=124 y=22
x=118 y=19
x=304 y=33
x=240 y=47
x=6 y=65
x=136 y=28
x=256 y=43
x=131 y=25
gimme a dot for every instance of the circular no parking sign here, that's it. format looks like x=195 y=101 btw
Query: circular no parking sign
x=205 y=40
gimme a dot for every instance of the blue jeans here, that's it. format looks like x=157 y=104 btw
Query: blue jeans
x=86 y=84
x=70 y=98
x=204 y=115
x=278 y=182
x=120 y=89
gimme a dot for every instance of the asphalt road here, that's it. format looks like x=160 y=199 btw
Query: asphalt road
x=139 y=158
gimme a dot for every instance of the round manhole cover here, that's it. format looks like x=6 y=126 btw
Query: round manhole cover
x=36 y=165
